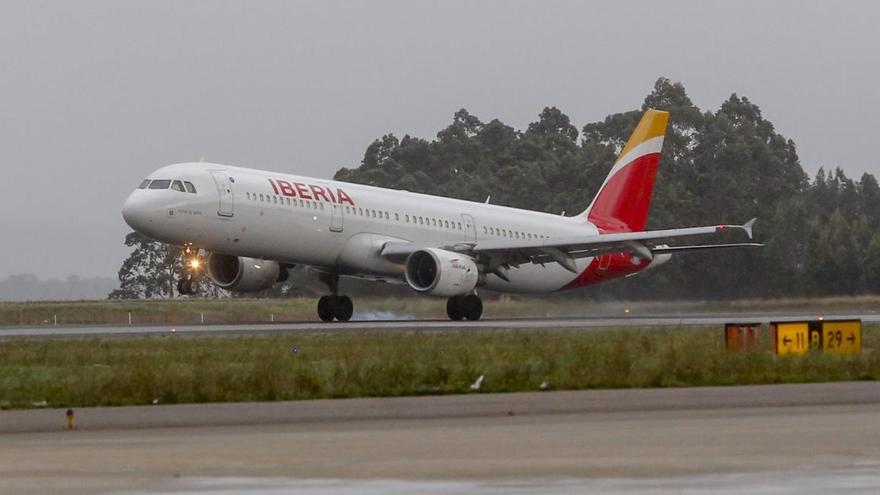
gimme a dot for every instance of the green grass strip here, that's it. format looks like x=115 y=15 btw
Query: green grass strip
x=176 y=369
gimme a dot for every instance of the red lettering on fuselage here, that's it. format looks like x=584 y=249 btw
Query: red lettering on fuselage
x=286 y=188
x=301 y=190
x=318 y=193
x=343 y=198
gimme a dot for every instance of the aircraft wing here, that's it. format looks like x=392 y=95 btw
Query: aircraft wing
x=564 y=250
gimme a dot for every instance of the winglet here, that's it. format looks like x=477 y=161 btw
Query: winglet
x=748 y=227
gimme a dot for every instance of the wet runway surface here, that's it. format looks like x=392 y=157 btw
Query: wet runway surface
x=810 y=438
x=422 y=325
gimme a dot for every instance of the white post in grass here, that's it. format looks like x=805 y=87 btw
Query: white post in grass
x=129 y=317
x=272 y=317
x=202 y=317
x=55 y=317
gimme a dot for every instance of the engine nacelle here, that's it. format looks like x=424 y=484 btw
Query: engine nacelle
x=242 y=274
x=442 y=273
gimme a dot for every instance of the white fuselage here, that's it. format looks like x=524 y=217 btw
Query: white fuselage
x=335 y=226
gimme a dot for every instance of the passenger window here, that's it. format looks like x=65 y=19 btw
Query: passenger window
x=396 y=217
x=160 y=184
x=248 y=195
x=346 y=209
x=275 y=199
x=144 y=184
x=288 y=201
x=322 y=205
x=387 y=217
x=421 y=221
x=261 y=197
x=406 y=217
x=190 y=188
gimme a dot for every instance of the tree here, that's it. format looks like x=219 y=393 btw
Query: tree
x=149 y=271
x=724 y=166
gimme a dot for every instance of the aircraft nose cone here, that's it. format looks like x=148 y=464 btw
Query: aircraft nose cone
x=134 y=212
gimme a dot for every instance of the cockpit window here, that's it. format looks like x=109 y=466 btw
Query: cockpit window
x=177 y=186
x=144 y=184
x=190 y=188
x=160 y=184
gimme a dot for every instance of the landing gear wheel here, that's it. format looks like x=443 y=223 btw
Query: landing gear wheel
x=335 y=307
x=326 y=307
x=454 y=308
x=472 y=307
x=344 y=308
x=187 y=287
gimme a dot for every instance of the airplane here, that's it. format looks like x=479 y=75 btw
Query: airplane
x=248 y=227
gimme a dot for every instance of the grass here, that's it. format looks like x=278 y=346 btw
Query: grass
x=172 y=369
x=243 y=310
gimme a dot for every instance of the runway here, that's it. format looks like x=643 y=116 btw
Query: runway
x=587 y=322
x=811 y=438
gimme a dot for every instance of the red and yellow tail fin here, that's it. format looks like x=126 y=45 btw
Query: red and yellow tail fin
x=623 y=201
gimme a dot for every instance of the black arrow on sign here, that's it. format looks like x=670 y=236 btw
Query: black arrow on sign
x=786 y=340
x=851 y=338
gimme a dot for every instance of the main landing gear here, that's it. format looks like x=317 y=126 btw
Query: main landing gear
x=461 y=307
x=334 y=306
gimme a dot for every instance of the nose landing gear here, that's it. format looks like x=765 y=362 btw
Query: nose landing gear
x=461 y=307
x=188 y=286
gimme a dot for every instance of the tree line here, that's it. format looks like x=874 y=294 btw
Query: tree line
x=725 y=166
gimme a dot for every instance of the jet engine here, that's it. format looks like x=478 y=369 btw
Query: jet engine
x=442 y=273
x=243 y=274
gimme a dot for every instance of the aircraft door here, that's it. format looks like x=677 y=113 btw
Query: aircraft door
x=224 y=189
x=337 y=218
x=470 y=227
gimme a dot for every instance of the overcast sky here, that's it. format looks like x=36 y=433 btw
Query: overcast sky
x=96 y=94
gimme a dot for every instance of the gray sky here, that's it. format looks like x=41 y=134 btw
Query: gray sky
x=96 y=94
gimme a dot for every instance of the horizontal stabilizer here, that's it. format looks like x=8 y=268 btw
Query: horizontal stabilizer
x=701 y=247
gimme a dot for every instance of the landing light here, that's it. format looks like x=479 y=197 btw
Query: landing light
x=194 y=263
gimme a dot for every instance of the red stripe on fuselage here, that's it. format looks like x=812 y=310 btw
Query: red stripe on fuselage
x=607 y=267
x=621 y=206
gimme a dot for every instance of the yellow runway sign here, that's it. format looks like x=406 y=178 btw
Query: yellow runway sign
x=842 y=337
x=791 y=338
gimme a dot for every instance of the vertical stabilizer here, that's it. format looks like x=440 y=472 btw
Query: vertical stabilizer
x=623 y=201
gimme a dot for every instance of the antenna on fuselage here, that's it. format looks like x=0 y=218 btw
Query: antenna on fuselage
x=488 y=198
